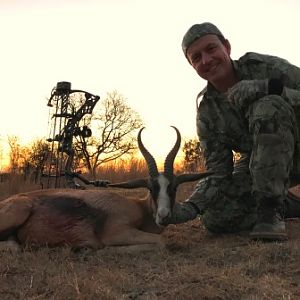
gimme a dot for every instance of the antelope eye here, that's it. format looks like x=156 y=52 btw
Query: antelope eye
x=154 y=189
x=171 y=190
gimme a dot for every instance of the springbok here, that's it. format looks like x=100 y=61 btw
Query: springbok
x=95 y=218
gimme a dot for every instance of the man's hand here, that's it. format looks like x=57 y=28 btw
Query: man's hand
x=247 y=91
x=182 y=212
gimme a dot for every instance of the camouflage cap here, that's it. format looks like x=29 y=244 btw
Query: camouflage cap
x=197 y=31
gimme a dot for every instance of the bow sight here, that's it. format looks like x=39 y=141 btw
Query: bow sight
x=67 y=110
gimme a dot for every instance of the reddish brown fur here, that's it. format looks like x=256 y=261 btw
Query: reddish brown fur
x=79 y=218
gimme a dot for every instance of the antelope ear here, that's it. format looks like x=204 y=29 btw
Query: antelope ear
x=191 y=177
x=132 y=184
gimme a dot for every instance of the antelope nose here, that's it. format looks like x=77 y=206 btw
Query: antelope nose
x=163 y=213
x=163 y=217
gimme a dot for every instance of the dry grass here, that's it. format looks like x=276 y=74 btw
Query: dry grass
x=194 y=265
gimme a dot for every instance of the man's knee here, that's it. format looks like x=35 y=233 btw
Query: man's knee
x=270 y=113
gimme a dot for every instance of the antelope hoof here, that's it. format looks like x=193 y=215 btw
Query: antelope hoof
x=10 y=246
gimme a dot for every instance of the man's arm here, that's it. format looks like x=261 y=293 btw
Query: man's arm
x=219 y=160
x=266 y=75
x=291 y=83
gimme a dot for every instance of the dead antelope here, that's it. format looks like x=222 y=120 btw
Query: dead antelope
x=95 y=218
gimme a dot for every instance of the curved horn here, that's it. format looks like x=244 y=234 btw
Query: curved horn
x=132 y=184
x=152 y=167
x=172 y=154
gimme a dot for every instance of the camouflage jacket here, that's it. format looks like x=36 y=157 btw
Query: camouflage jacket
x=223 y=128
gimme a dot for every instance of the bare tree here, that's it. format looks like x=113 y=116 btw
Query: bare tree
x=15 y=153
x=193 y=155
x=114 y=124
x=37 y=155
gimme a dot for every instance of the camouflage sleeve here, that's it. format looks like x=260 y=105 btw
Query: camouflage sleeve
x=258 y=66
x=292 y=96
x=290 y=76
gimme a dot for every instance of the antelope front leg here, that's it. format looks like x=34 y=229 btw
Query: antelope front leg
x=132 y=236
x=9 y=246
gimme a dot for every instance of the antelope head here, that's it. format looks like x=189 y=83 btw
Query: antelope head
x=161 y=185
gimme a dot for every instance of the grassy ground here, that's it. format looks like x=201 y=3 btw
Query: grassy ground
x=194 y=265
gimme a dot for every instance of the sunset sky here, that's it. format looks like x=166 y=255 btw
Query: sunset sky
x=132 y=46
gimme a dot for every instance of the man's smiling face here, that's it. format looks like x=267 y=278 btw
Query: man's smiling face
x=210 y=57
